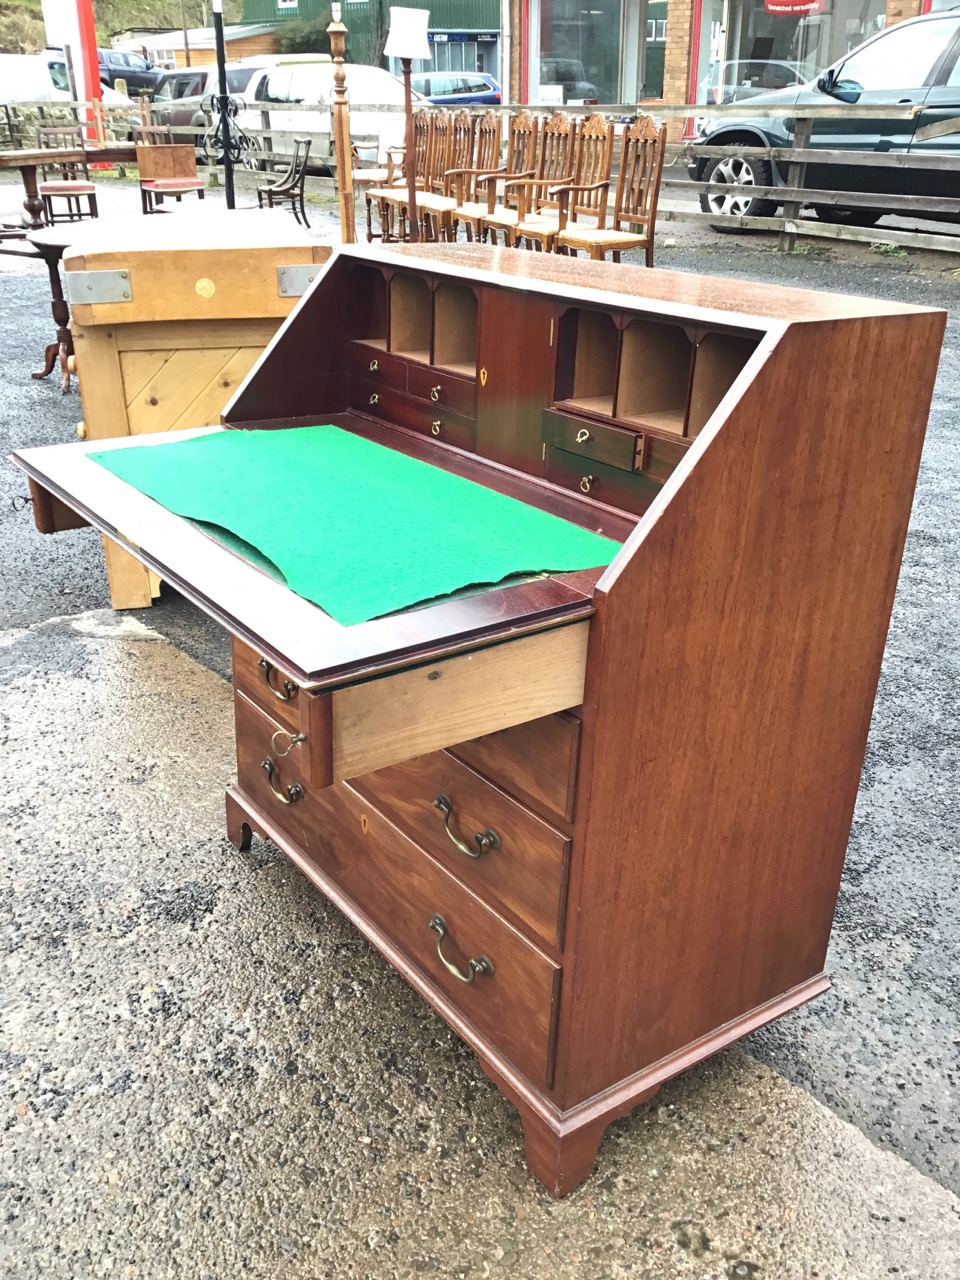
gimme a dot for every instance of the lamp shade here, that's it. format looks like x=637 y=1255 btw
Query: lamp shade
x=407 y=37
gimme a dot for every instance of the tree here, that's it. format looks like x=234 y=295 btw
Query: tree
x=308 y=36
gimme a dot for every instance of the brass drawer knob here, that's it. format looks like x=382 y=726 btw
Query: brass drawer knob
x=583 y=435
x=481 y=964
x=435 y=427
x=585 y=483
x=485 y=840
x=374 y=366
x=435 y=393
x=286 y=690
x=289 y=794
x=293 y=740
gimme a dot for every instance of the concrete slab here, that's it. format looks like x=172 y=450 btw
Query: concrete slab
x=208 y=1073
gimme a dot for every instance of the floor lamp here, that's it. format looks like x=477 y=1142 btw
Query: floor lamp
x=406 y=40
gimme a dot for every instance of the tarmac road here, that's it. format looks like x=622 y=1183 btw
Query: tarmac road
x=882 y=1050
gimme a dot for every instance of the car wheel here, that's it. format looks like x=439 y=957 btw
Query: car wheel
x=250 y=157
x=740 y=173
x=847 y=217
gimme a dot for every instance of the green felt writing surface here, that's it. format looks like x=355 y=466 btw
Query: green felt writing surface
x=359 y=529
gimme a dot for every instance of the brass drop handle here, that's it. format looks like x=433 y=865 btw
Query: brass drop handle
x=583 y=435
x=286 y=690
x=374 y=366
x=374 y=399
x=585 y=483
x=481 y=964
x=435 y=427
x=287 y=796
x=485 y=840
x=435 y=393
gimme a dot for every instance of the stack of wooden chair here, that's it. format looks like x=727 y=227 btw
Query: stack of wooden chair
x=549 y=191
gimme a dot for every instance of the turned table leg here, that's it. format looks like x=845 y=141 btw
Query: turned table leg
x=63 y=347
x=33 y=205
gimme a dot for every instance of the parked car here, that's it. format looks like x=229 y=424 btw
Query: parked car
x=140 y=75
x=307 y=80
x=42 y=77
x=181 y=95
x=450 y=89
x=917 y=61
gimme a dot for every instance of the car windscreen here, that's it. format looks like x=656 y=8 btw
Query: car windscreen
x=238 y=80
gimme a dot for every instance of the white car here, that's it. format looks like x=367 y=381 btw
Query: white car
x=307 y=81
x=42 y=77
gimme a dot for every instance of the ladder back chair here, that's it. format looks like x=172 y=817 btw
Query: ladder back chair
x=436 y=207
x=556 y=165
x=635 y=203
x=520 y=162
x=288 y=187
x=430 y=182
x=587 y=195
x=67 y=180
x=380 y=198
x=461 y=183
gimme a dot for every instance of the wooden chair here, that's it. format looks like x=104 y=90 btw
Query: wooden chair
x=635 y=204
x=153 y=135
x=287 y=188
x=430 y=180
x=460 y=184
x=586 y=196
x=556 y=165
x=435 y=208
x=166 y=168
x=378 y=197
x=479 y=190
x=385 y=176
x=65 y=180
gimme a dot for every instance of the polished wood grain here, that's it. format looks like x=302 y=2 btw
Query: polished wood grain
x=523 y=873
x=785 y=524
x=535 y=761
x=434 y=420
x=602 y=441
x=514 y=378
x=613 y=485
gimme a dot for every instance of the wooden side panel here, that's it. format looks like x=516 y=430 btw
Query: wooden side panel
x=514 y=376
x=734 y=663
x=171 y=390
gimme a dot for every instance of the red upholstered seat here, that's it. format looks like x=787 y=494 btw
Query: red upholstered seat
x=170 y=185
x=66 y=188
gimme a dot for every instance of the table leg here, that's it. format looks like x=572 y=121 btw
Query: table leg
x=33 y=205
x=63 y=347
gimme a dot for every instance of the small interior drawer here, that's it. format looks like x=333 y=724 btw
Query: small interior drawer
x=629 y=491
x=612 y=445
x=418 y=415
x=266 y=685
x=376 y=366
x=535 y=761
x=495 y=845
x=398 y=886
x=442 y=388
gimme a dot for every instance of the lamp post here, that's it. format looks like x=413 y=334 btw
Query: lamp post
x=406 y=40
x=224 y=103
x=341 y=127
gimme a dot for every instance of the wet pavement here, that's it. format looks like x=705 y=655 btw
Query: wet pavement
x=207 y=1073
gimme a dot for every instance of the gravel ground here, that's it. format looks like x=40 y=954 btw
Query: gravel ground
x=135 y=925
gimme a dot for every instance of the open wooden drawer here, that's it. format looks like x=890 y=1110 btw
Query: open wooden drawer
x=380 y=692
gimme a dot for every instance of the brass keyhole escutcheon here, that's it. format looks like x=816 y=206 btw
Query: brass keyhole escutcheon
x=483 y=377
x=435 y=393
x=585 y=483
x=374 y=399
x=583 y=435
x=374 y=366
x=435 y=427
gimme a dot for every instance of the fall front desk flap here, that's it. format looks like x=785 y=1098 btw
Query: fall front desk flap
x=357 y=528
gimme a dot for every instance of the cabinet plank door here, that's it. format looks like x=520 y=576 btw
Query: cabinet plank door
x=514 y=376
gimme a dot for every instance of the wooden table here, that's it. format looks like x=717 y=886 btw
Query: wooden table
x=29 y=160
x=666 y=752
x=50 y=243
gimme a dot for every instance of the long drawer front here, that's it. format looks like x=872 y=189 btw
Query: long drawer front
x=493 y=844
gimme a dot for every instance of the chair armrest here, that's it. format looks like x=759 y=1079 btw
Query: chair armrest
x=563 y=194
x=526 y=186
x=490 y=181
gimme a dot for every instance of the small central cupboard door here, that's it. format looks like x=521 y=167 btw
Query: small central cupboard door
x=514 y=376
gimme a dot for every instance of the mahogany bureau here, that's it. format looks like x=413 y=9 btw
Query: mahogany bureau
x=597 y=820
